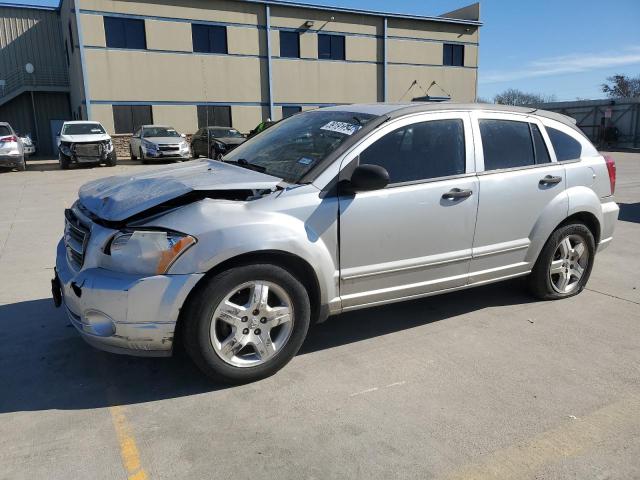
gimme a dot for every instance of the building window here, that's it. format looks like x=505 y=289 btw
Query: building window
x=289 y=44
x=66 y=52
x=128 y=118
x=290 y=110
x=453 y=55
x=331 y=47
x=125 y=33
x=214 y=116
x=209 y=38
x=71 y=37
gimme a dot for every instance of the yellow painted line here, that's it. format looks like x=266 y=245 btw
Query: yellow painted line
x=128 y=448
x=578 y=436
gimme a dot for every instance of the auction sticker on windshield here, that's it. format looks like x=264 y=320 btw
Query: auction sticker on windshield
x=341 y=127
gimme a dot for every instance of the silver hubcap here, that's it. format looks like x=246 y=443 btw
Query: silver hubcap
x=252 y=324
x=568 y=264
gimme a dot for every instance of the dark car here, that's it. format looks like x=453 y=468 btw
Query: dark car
x=215 y=142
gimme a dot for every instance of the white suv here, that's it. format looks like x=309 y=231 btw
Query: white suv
x=85 y=142
x=11 y=149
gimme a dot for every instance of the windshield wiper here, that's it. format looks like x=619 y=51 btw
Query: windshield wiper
x=243 y=163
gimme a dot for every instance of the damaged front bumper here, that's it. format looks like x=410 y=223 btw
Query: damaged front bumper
x=122 y=313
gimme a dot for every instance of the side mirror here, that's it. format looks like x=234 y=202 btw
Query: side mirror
x=367 y=177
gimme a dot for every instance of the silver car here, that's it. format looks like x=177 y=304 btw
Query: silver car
x=158 y=142
x=11 y=148
x=329 y=211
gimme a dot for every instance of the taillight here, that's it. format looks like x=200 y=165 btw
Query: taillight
x=611 y=168
x=10 y=138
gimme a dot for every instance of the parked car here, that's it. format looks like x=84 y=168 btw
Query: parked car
x=28 y=144
x=329 y=211
x=11 y=149
x=215 y=142
x=84 y=142
x=158 y=142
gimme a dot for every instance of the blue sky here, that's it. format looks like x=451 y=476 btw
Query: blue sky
x=562 y=47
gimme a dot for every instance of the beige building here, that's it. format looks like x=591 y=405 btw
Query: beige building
x=189 y=63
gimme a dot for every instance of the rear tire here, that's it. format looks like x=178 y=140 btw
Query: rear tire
x=564 y=264
x=133 y=157
x=256 y=339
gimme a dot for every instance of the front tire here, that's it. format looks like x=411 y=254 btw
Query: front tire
x=133 y=157
x=142 y=159
x=112 y=159
x=64 y=162
x=246 y=323
x=564 y=264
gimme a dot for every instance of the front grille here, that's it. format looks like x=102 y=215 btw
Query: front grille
x=169 y=148
x=76 y=237
x=88 y=149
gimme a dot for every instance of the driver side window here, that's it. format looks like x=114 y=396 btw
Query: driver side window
x=420 y=151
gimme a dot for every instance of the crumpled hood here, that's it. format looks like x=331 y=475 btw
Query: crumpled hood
x=120 y=197
x=93 y=137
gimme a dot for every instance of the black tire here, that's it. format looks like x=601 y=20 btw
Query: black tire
x=540 y=280
x=64 y=162
x=198 y=315
x=133 y=157
x=112 y=159
x=142 y=159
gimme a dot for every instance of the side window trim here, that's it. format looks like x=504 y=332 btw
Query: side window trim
x=354 y=154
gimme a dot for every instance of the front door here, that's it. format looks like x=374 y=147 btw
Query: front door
x=414 y=236
x=522 y=188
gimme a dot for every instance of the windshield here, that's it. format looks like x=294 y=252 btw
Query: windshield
x=150 y=132
x=82 y=129
x=292 y=147
x=225 y=132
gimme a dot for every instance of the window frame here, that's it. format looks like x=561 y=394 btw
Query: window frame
x=516 y=117
x=138 y=21
x=330 y=36
x=133 y=127
x=289 y=33
x=351 y=159
x=446 y=45
x=208 y=29
x=205 y=127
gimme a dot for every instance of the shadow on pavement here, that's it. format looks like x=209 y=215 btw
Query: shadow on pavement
x=629 y=212
x=46 y=365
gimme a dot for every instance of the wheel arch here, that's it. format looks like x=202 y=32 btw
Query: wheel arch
x=294 y=264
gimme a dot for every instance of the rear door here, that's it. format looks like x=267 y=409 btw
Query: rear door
x=414 y=236
x=522 y=188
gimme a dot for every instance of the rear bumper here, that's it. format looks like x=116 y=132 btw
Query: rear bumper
x=610 y=211
x=123 y=313
x=11 y=160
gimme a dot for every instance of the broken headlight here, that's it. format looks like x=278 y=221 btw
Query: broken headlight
x=146 y=252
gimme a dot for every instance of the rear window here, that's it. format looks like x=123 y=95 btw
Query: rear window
x=506 y=144
x=4 y=131
x=566 y=147
x=82 y=129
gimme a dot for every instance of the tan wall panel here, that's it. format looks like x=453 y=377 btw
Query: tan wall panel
x=470 y=56
x=246 y=118
x=460 y=83
x=300 y=81
x=246 y=41
x=432 y=30
x=76 y=85
x=163 y=35
x=93 y=30
x=163 y=76
x=224 y=11
x=184 y=118
x=409 y=51
x=343 y=22
x=104 y=115
x=363 y=48
x=309 y=45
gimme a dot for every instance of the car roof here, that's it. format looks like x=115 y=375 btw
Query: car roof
x=156 y=126
x=394 y=110
x=79 y=122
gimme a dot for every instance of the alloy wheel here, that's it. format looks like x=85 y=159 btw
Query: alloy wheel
x=252 y=323
x=568 y=264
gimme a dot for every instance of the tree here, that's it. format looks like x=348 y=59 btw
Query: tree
x=513 y=96
x=622 y=86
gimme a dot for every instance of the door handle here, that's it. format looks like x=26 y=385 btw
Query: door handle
x=550 y=180
x=457 y=193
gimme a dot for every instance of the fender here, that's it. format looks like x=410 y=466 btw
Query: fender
x=553 y=214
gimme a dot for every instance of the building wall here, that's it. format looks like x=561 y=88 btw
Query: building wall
x=72 y=42
x=173 y=79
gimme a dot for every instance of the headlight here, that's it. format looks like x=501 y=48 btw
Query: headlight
x=146 y=252
x=64 y=148
x=221 y=146
x=184 y=146
x=108 y=145
x=149 y=145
